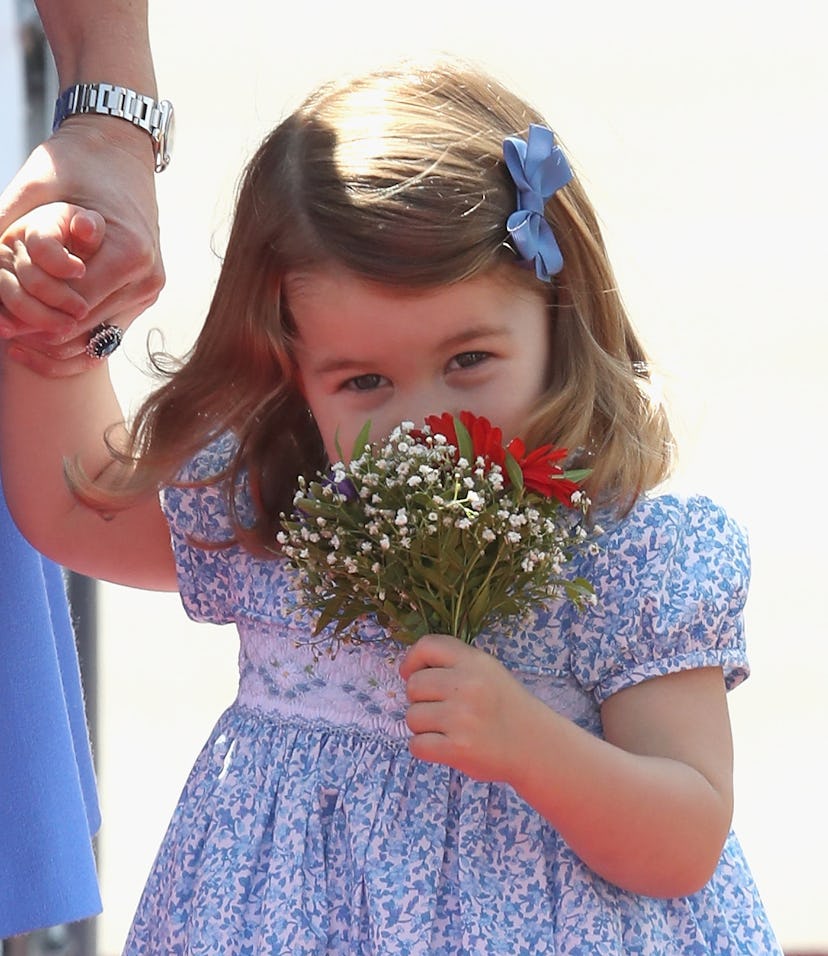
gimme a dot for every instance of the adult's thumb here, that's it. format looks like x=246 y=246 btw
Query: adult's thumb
x=29 y=188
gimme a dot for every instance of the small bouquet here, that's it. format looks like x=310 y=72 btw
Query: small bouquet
x=439 y=529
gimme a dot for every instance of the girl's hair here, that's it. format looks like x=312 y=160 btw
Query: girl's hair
x=397 y=176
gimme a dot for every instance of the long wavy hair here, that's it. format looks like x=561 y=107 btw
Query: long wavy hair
x=397 y=176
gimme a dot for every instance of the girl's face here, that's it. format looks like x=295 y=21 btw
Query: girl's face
x=366 y=351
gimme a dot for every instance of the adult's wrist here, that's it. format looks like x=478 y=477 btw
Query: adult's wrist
x=105 y=132
x=155 y=118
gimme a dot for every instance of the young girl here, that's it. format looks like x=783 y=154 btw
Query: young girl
x=407 y=243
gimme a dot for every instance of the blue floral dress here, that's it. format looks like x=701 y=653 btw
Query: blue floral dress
x=306 y=827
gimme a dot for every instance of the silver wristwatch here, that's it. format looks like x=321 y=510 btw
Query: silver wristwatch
x=153 y=116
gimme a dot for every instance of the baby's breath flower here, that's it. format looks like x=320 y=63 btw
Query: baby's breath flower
x=459 y=528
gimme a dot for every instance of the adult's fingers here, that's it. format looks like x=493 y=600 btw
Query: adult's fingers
x=140 y=280
x=107 y=169
x=63 y=359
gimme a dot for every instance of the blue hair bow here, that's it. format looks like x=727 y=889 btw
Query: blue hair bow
x=539 y=169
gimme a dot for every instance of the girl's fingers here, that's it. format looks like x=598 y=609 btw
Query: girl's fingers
x=432 y=650
x=21 y=312
x=432 y=684
x=432 y=748
x=42 y=256
x=42 y=283
x=428 y=717
x=51 y=255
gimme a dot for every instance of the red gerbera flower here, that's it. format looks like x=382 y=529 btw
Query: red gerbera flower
x=541 y=473
x=487 y=439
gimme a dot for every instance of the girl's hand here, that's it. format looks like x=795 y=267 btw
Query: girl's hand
x=465 y=707
x=105 y=165
x=42 y=257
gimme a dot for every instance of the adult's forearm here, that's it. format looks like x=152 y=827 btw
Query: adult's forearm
x=95 y=42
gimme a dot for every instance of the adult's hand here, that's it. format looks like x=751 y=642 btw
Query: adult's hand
x=106 y=165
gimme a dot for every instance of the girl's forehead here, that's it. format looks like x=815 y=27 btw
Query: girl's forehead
x=309 y=290
x=339 y=314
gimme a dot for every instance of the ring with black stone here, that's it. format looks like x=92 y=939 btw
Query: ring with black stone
x=103 y=340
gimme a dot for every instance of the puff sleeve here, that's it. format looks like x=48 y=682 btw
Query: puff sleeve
x=671 y=581
x=200 y=513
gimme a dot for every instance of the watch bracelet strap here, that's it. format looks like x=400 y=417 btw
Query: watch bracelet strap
x=108 y=100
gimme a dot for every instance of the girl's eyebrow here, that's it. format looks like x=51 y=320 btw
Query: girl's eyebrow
x=472 y=334
x=326 y=366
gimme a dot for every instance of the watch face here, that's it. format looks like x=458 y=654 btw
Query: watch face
x=166 y=135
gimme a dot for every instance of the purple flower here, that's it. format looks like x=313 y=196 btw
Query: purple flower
x=345 y=487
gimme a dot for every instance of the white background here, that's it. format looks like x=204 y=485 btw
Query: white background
x=699 y=131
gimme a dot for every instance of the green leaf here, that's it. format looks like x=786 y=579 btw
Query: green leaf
x=578 y=474
x=425 y=596
x=348 y=615
x=337 y=446
x=362 y=440
x=327 y=615
x=478 y=608
x=310 y=506
x=514 y=472
x=430 y=574
x=465 y=446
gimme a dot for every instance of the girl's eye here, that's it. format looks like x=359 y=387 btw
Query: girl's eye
x=364 y=383
x=468 y=359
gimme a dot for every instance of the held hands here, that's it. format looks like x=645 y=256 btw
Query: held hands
x=52 y=303
x=42 y=255
x=465 y=709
